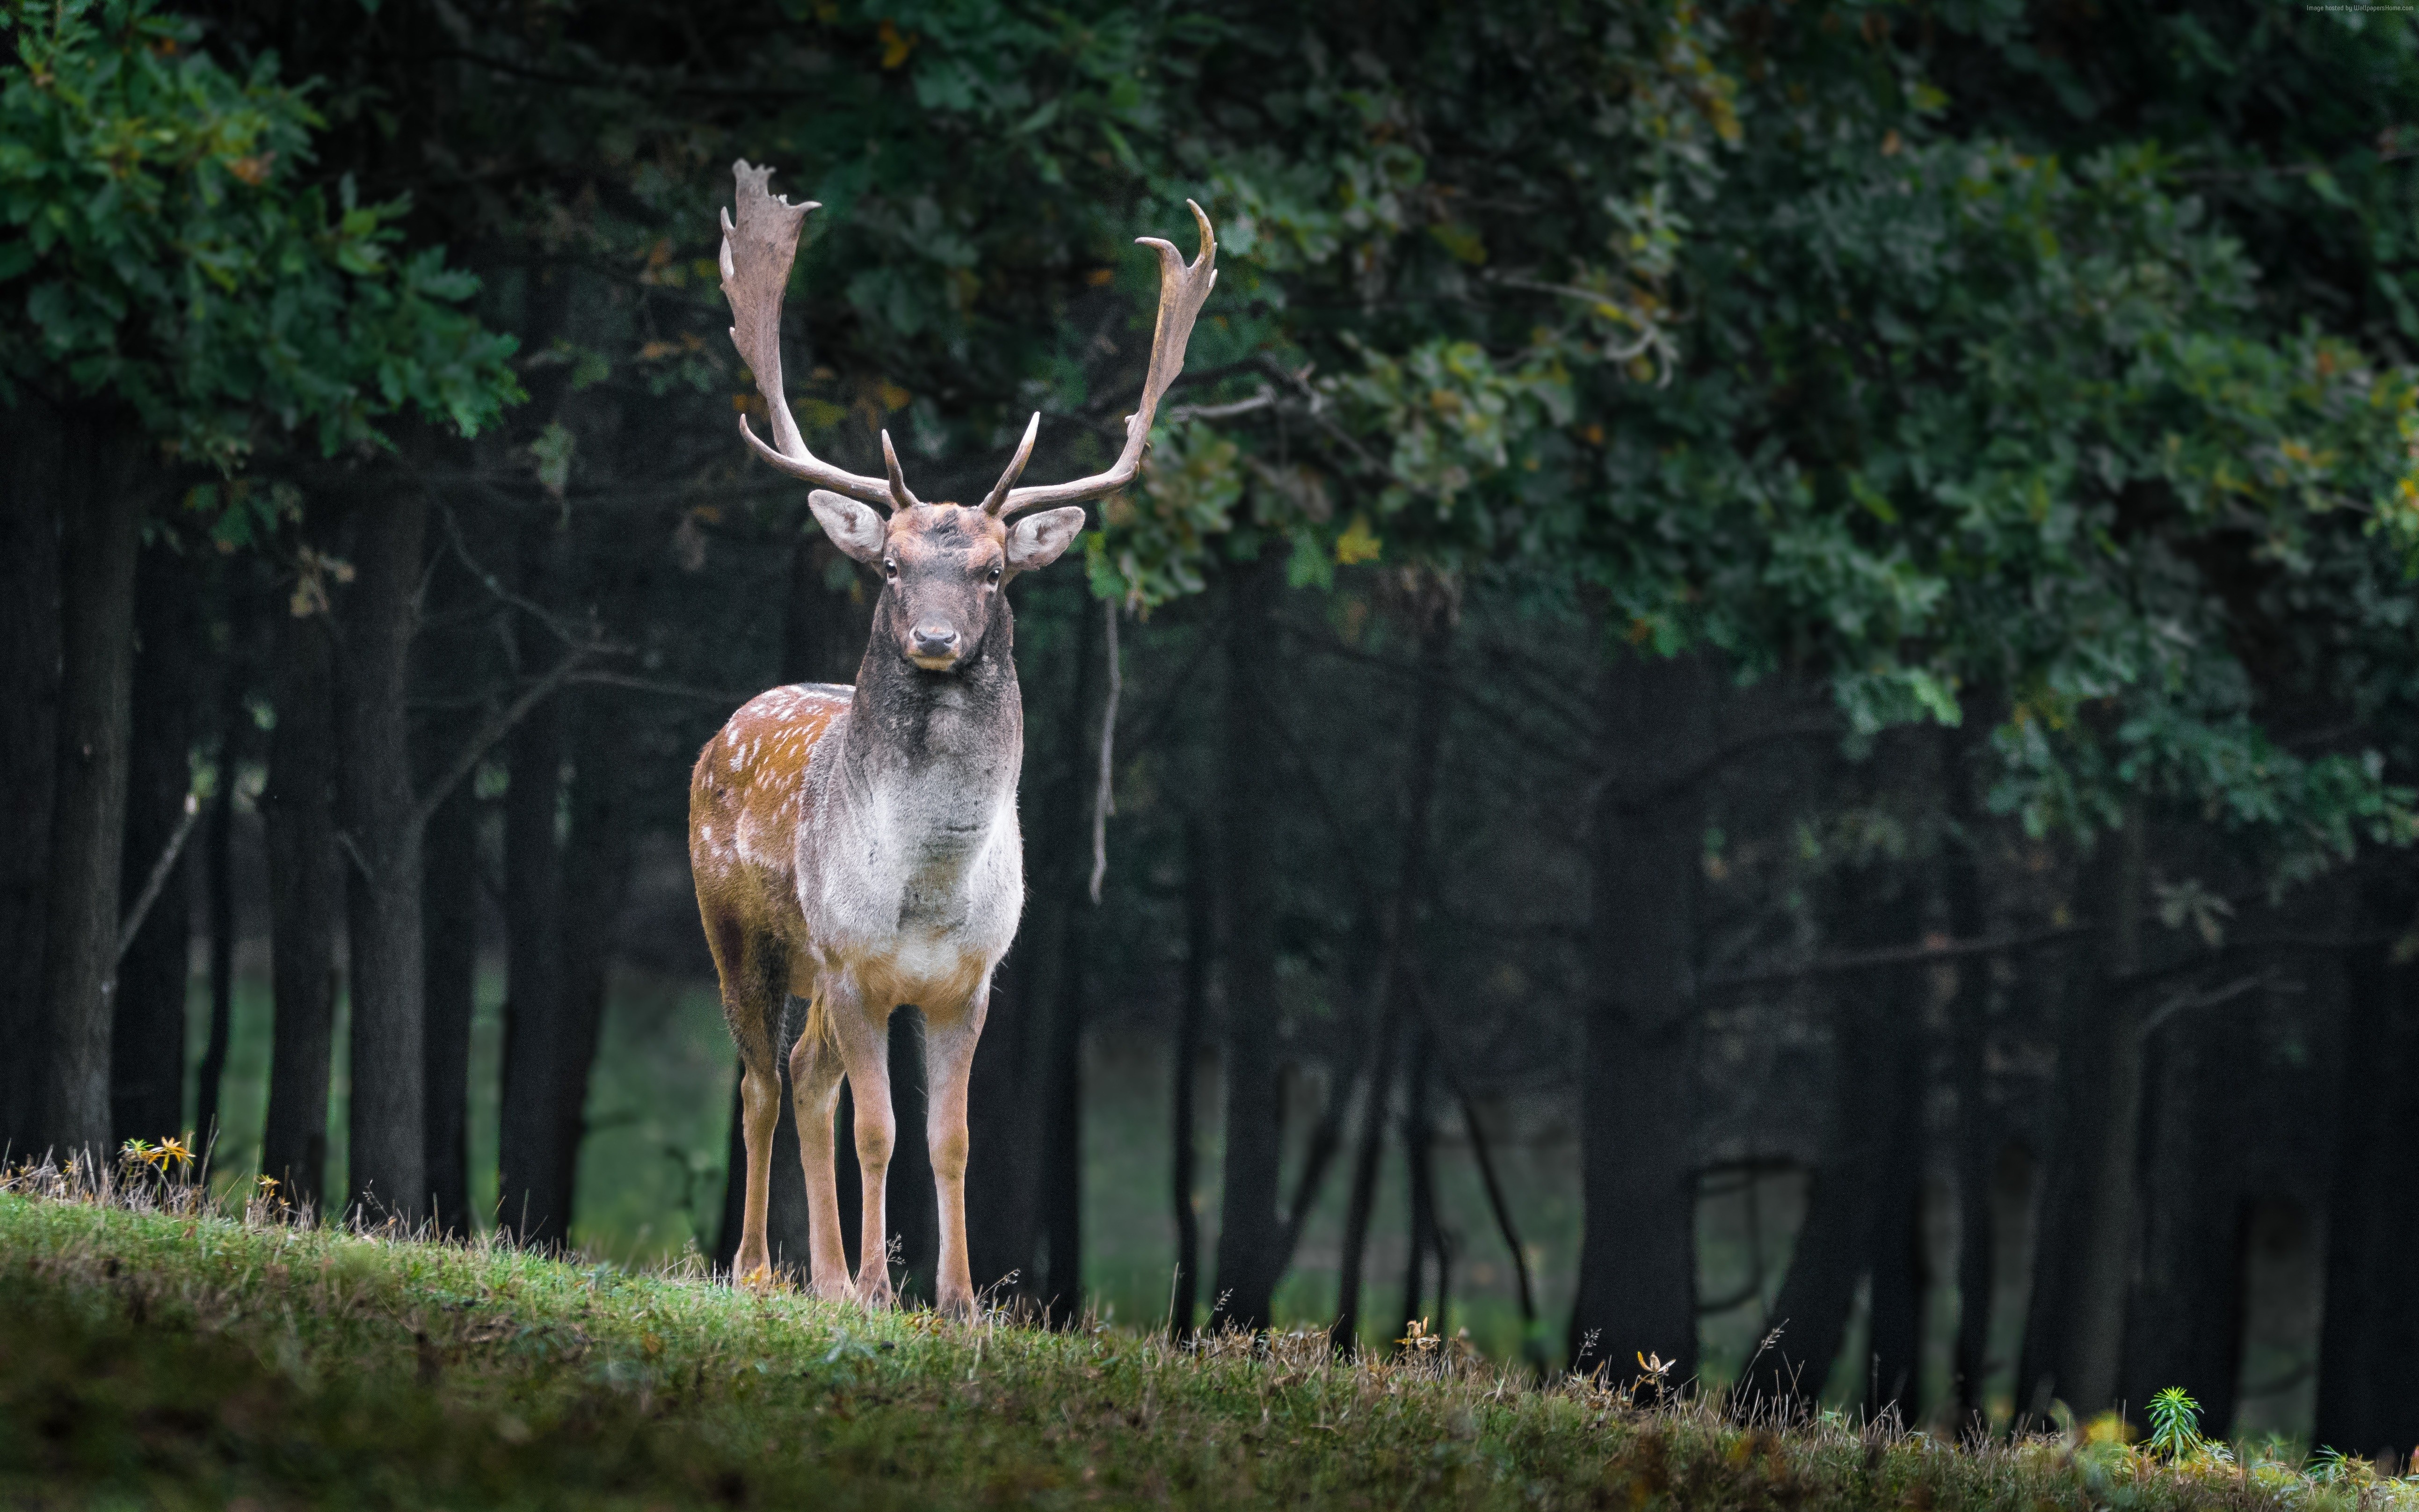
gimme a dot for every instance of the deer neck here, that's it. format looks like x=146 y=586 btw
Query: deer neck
x=962 y=729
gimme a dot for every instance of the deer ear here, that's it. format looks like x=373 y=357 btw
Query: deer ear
x=1037 y=540
x=854 y=528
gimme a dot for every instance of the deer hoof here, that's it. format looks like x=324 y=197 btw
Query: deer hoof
x=840 y=1290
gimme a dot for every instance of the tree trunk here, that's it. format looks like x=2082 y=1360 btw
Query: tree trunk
x=30 y=445
x=1249 y=1229
x=1058 y=1192
x=2368 y=1395
x=457 y=668
x=218 y=871
x=1978 y=1239
x=1899 y=1263
x=1977 y=1133
x=533 y=1189
x=1902 y=1262
x=306 y=890
x=99 y=539
x=218 y=859
x=2184 y=1324
x=1637 y=1271
x=1361 y=1198
x=386 y=1129
x=1391 y=1001
x=449 y=924
x=2062 y=1188
x=147 y=1091
x=1862 y=1214
x=2111 y=1236
x=1200 y=934
x=596 y=883
x=2074 y=1327
x=1062 y=1128
x=1849 y=1206
x=1419 y=1172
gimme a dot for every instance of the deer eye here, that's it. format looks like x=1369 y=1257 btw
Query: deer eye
x=994 y=574
x=890 y=569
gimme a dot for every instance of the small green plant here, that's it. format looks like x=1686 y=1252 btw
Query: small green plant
x=2175 y=1425
x=2331 y=1466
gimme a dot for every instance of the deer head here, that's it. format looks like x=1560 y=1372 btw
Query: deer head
x=943 y=566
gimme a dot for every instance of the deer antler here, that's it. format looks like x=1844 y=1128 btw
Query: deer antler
x=756 y=256
x=1182 y=290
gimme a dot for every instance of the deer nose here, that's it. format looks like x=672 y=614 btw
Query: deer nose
x=936 y=639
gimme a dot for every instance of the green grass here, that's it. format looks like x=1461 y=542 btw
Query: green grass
x=178 y=1357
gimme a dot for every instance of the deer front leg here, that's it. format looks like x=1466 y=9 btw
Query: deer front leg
x=815 y=1071
x=948 y=1062
x=864 y=1049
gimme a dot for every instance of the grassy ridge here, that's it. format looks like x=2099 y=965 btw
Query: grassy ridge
x=188 y=1359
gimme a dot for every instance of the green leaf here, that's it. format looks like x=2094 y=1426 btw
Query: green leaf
x=552 y=452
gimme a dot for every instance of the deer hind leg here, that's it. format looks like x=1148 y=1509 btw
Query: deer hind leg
x=948 y=1062
x=864 y=1036
x=747 y=964
x=815 y=1070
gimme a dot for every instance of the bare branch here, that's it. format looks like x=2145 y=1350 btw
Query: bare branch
x=1898 y=955
x=677 y=690
x=159 y=878
x=1265 y=400
x=466 y=761
x=503 y=595
x=2215 y=997
x=1104 y=801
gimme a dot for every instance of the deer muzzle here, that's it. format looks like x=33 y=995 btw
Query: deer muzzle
x=934 y=646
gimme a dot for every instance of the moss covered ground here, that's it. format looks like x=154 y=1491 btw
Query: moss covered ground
x=158 y=1351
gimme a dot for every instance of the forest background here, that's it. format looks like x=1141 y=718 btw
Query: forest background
x=1763 y=678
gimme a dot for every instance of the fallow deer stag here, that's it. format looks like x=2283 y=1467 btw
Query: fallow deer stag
x=858 y=848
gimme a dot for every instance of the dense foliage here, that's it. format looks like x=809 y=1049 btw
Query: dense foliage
x=170 y=248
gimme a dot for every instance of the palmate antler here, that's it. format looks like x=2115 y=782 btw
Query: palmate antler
x=756 y=256
x=756 y=253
